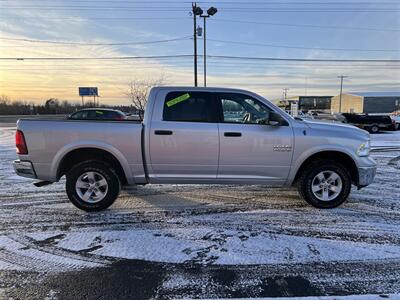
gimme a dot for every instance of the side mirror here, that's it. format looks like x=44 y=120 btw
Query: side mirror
x=273 y=123
x=275 y=119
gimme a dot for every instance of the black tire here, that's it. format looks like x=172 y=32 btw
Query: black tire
x=374 y=129
x=304 y=183
x=105 y=170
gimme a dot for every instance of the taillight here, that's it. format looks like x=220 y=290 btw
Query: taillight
x=20 y=143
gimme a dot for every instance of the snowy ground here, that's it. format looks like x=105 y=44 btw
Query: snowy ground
x=200 y=241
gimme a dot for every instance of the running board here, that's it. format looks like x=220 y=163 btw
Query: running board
x=42 y=183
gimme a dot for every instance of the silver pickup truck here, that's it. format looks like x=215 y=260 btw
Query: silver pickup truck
x=194 y=136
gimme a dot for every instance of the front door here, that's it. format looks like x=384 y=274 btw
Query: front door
x=250 y=149
x=184 y=140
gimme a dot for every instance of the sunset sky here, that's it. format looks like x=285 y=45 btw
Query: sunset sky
x=312 y=29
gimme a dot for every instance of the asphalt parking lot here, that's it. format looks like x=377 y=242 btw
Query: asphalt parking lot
x=199 y=241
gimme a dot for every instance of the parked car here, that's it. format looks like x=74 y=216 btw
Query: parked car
x=371 y=123
x=396 y=122
x=98 y=114
x=190 y=136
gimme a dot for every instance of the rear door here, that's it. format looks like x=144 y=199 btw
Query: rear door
x=251 y=150
x=184 y=142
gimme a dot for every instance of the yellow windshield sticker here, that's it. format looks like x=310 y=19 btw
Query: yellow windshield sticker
x=178 y=99
x=99 y=112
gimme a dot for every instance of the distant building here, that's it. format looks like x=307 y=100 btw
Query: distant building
x=368 y=102
x=307 y=103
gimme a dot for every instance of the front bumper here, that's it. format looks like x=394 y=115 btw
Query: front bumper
x=24 y=168
x=366 y=176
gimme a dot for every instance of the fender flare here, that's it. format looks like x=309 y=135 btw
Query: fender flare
x=296 y=165
x=55 y=164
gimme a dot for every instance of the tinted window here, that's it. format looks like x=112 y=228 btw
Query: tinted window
x=98 y=115
x=104 y=115
x=240 y=108
x=189 y=107
x=80 y=115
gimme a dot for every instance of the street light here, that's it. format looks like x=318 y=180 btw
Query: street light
x=197 y=11
x=210 y=12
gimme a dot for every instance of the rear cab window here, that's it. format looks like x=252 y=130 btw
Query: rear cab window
x=187 y=106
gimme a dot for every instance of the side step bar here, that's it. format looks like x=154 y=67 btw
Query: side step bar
x=42 y=183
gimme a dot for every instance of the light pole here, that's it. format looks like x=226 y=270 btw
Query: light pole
x=197 y=11
x=285 y=90
x=210 y=12
x=341 y=89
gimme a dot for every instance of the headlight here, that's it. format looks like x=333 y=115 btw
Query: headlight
x=364 y=148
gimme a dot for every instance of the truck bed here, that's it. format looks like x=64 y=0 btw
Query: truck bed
x=49 y=141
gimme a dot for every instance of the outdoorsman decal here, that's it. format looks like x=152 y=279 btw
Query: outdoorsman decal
x=178 y=99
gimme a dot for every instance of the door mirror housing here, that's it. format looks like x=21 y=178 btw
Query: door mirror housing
x=274 y=123
x=275 y=119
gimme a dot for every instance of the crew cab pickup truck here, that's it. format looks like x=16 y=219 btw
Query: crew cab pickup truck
x=196 y=136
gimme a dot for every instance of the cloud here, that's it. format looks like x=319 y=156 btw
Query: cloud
x=39 y=80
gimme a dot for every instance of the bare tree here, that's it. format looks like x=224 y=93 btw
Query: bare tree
x=4 y=100
x=139 y=89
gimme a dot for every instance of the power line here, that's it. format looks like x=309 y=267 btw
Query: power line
x=93 y=44
x=305 y=25
x=224 y=2
x=80 y=18
x=301 y=59
x=98 y=58
x=208 y=56
x=305 y=48
x=160 y=19
x=181 y=9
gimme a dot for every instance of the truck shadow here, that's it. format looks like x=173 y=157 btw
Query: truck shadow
x=203 y=199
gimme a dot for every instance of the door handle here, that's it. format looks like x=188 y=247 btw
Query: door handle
x=233 y=134
x=163 y=132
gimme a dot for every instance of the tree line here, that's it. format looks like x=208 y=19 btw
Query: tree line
x=137 y=94
x=52 y=106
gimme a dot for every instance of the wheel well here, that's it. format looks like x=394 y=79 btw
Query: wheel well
x=340 y=157
x=79 y=155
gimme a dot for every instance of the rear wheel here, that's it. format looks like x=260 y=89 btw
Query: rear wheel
x=92 y=185
x=374 y=129
x=325 y=184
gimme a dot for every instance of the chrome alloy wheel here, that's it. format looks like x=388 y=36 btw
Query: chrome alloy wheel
x=91 y=187
x=326 y=185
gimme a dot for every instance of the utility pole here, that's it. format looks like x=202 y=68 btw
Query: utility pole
x=204 y=51
x=210 y=12
x=197 y=11
x=285 y=90
x=341 y=90
x=306 y=85
x=195 y=43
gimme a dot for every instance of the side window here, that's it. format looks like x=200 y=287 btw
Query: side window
x=79 y=115
x=91 y=114
x=189 y=107
x=108 y=115
x=76 y=116
x=240 y=108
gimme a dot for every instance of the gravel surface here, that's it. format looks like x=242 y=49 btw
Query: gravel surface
x=200 y=241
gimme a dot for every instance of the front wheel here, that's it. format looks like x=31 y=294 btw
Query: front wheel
x=374 y=129
x=325 y=184
x=92 y=185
